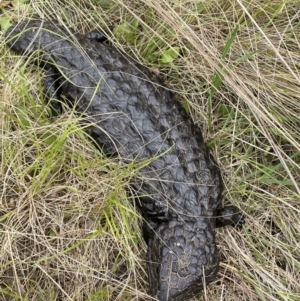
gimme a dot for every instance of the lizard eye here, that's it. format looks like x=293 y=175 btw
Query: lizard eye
x=157 y=270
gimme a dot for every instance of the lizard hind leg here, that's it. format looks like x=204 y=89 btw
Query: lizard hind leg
x=229 y=215
x=52 y=91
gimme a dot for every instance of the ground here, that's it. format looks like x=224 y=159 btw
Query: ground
x=69 y=226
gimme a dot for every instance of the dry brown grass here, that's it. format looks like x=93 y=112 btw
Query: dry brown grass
x=69 y=231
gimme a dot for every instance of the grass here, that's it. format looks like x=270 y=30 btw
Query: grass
x=69 y=227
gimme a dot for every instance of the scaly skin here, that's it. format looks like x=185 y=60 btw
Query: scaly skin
x=134 y=116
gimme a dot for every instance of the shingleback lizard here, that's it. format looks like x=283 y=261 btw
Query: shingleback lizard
x=134 y=116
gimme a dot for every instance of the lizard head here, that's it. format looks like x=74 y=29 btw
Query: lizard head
x=182 y=258
x=25 y=37
x=22 y=37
